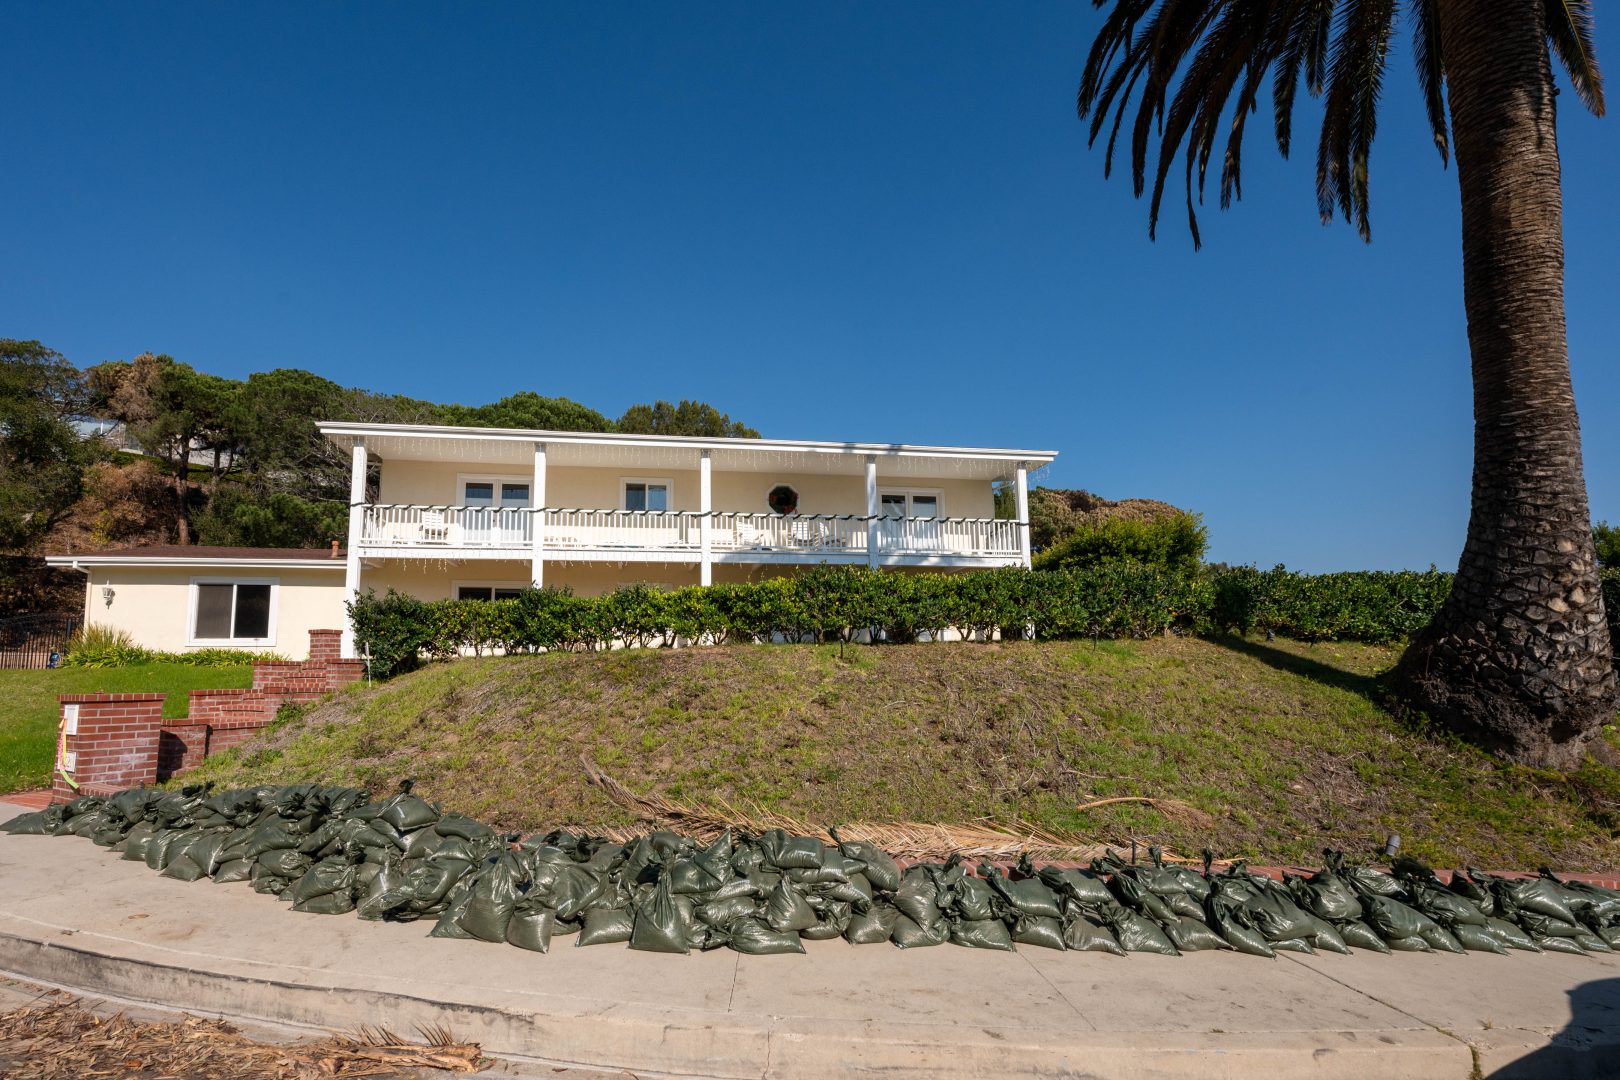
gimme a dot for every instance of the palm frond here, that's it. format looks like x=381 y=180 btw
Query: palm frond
x=1569 y=31
x=1431 y=69
x=1355 y=78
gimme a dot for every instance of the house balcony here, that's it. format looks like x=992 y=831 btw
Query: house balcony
x=481 y=532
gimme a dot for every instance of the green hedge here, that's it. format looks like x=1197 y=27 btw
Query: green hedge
x=842 y=603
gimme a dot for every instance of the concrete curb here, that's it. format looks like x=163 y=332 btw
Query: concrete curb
x=711 y=1044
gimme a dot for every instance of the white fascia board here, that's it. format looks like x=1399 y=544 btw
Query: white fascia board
x=79 y=562
x=344 y=430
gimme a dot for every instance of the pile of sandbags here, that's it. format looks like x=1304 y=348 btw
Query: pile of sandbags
x=330 y=850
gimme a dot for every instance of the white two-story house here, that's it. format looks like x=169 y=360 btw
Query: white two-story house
x=479 y=513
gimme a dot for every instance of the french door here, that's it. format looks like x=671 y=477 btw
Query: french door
x=497 y=515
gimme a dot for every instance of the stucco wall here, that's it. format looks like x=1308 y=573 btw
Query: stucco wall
x=153 y=604
x=436 y=483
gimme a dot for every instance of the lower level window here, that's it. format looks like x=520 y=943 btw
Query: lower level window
x=487 y=592
x=234 y=612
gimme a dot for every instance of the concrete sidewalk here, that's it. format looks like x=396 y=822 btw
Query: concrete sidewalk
x=75 y=915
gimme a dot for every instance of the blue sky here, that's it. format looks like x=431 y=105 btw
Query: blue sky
x=832 y=221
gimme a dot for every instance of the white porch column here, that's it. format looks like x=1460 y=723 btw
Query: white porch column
x=1021 y=478
x=357 y=517
x=871 y=512
x=706 y=565
x=537 y=527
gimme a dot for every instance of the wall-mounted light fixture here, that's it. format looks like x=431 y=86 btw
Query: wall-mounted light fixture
x=107 y=595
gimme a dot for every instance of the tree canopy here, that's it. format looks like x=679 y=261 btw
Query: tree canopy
x=42 y=457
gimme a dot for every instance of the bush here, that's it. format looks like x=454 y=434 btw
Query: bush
x=1369 y=605
x=101 y=646
x=1174 y=542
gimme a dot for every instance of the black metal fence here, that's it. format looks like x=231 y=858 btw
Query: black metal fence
x=35 y=641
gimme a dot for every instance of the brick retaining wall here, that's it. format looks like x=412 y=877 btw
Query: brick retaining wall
x=123 y=741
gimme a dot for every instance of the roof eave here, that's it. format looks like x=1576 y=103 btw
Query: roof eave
x=336 y=430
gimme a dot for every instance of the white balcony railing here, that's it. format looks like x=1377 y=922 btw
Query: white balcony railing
x=426 y=528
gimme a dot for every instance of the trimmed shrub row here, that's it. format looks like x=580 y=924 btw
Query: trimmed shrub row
x=843 y=603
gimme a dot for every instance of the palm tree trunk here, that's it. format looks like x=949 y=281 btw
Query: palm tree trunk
x=1519 y=656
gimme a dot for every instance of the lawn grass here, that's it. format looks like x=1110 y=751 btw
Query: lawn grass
x=1285 y=746
x=29 y=713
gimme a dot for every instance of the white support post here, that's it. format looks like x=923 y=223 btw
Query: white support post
x=1021 y=479
x=537 y=527
x=706 y=540
x=351 y=569
x=871 y=512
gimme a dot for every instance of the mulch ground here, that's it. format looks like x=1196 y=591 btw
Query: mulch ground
x=57 y=1037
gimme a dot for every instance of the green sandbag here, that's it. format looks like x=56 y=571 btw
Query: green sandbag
x=1081 y=934
x=918 y=897
x=1038 y=930
x=1227 y=918
x=981 y=934
x=1030 y=896
x=1299 y=945
x=604 y=926
x=1136 y=933
x=1591 y=942
x=753 y=937
x=421 y=843
x=1082 y=886
x=160 y=848
x=136 y=840
x=1610 y=935
x=323 y=879
x=857 y=890
x=908 y=934
x=1478 y=939
x=1538 y=895
x=1134 y=895
x=449 y=923
x=688 y=877
x=466 y=828
x=1326 y=895
x=1545 y=926
x=1514 y=937
x=1561 y=945
x=832 y=918
x=531 y=930
x=1274 y=913
x=973 y=900
x=833 y=869
x=1191 y=935
x=725 y=912
x=235 y=870
x=406 y=812
x=872 y=926
x=335 y=903
x=1366 y=880
x=182 y=868
x=1441 y=940
x=881 y=870
x=1415 y=943
x=794 y=852
x=658 y=925
x=1392 y=919
x=1325 y=936
x=787 y=911
x=37 y=823
x=285 y=863
x=569 y=889
x=494 y=897
x=1358 y=935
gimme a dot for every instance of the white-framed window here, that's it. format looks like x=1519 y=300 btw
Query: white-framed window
x=233 y=611
x=646 y=493
x=486 y=590
x=503 y=492
x=910 y=503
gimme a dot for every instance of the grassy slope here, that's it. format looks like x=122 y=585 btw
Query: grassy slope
x=1281 y=743
x=28 y=710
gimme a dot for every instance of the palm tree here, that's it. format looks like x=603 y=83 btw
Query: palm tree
x=1519 y=657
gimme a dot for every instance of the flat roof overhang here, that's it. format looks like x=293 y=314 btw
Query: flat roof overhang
x=515 y=446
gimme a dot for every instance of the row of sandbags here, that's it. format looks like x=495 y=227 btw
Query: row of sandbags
x=331 y=850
